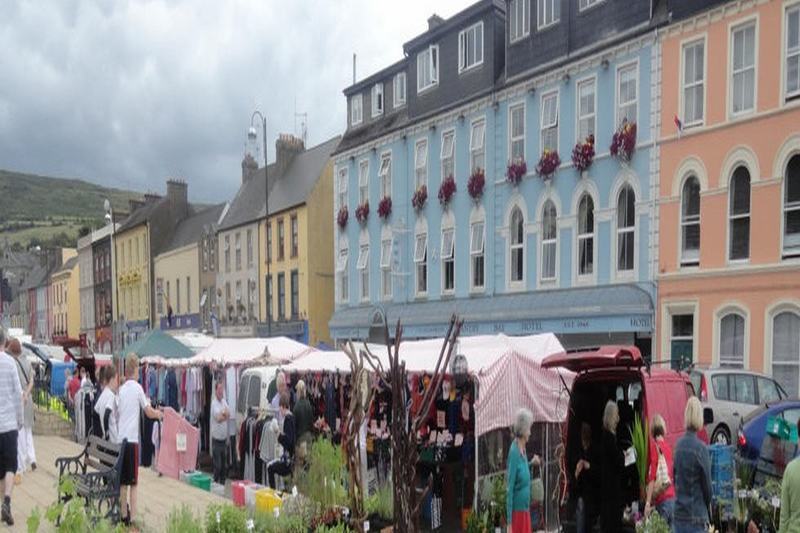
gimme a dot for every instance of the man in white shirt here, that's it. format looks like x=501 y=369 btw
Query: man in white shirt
x=132 y=401
x=11 y=420
x=219 y=432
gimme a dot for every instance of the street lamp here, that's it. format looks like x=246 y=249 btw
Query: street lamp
x=251 y=136
x=115 y=303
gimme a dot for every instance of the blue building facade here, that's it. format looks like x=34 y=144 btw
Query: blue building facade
x=571 y=252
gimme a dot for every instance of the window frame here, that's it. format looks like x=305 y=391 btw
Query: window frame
x=342 y=271
x=550 y=125
x=548 y=241
x=399 y=81
x=432 y=66
x=514 y=108
x=624 y=230
x=294 y=239
x=685 y=47
x=525 y=27
x=583 y=5
x=555 y=18
x=362 y=265
x=789 y=251
x=269 y=295
x=377 y=98
x=580 y=237
x=268 y=244
x=786 y=96
x=621 y=69
x=477 y=254
x=516 y=284
x=589 y=80
x=363 y=181
x=444 y=158
x=385 y=173
x=420 y=263
x=463 y=47
x=341 y=186
x=693 y=259
x=729 y=363
x=790 y=308
x=448 y=258
x=386 y=268
x=475 y=151
x=281 y=240
x=739 y=216
x=733 y=28
x=356 y=111
x=420 y=169
x=294 y=292
x=281 y=296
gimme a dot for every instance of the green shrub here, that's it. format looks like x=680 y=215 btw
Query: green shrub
x=284 y=523
x=183 y=520
x=381 y=503
x=225 y=518
x=73 y=516
x=324 y=479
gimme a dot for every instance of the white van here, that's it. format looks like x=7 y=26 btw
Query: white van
x=253 y=387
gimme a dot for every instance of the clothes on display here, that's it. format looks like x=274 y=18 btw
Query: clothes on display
x=179 y=444
x=84 y=403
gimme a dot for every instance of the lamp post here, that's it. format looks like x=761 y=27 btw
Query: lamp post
x=251 y=136
x=115 y=303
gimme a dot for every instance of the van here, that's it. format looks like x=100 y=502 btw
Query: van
x=253 y=386
x=617 y=373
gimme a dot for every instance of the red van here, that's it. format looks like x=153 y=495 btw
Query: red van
x=617 y=373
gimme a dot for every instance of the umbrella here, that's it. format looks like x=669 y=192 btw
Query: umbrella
x=157 y=343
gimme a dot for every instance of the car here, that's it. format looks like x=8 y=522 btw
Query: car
x=753 y=427
x=732 y=394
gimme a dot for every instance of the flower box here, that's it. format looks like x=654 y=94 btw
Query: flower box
x=385 y=207
x=362 y=212
x=515 y=171
x=446 y=190
x=476 y=183
x=548 y=164
x=420 y=197
x=342 y=216
x=624 y=142
x=583 y=154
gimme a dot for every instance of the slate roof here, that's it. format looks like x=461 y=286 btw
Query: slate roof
x=67 y=266
x=191 y=228
x=248 y=204
x=142 y=214
x=36 y=278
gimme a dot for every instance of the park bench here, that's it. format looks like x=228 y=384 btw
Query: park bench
x=96 y=472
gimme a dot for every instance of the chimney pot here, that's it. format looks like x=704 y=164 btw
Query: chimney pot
x=178 y=195
x=286 y=147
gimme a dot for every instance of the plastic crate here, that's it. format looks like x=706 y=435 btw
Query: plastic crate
x=250 y=494
x=218 y=489
x=237 y=492
x=267 y=500
x=201 y=481
x=186 y=476
x=778 y=427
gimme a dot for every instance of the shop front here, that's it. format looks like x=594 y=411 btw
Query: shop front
x=180 y=322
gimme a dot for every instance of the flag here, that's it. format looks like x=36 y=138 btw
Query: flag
x=679 y=125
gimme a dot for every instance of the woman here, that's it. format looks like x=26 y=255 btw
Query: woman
x=287 y=439
x=691 y=475
x=518 y=494
x=612 y=465
x=660 y=489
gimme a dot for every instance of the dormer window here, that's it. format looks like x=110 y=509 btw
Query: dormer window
x=356 y=115
x=377 y=99
x=586 y=4
x=428 y=68
x=400 y=89
x=470 y=47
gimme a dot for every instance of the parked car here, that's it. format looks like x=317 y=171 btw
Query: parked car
x=732 y=395
x=618 y=373
x=253 y=387
x=754 y=426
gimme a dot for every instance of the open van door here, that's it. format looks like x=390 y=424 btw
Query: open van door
x=596 y=358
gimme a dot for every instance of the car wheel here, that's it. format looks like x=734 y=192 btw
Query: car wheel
x=721 y=436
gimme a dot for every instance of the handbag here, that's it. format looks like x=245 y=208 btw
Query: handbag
x=663 y=482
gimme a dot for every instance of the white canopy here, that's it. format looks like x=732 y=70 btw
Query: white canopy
x=195 y=341
x=273 y=350
x=319 y=361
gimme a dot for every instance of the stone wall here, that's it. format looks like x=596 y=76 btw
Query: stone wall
x=50 y=423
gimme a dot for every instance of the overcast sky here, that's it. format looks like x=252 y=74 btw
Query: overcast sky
x=129 y=93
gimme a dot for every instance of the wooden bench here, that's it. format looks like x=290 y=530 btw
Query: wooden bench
x=96 y=472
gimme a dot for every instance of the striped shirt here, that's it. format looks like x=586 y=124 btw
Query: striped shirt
x=10 y=395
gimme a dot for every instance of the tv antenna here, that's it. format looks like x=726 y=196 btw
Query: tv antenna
x=303 y=131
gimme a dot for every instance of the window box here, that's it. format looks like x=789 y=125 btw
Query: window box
x=362 y=213
x=342 y=216
x=516 y=171
x=420 y=197
x=548 y=164
x=476 y=183
x=623 y=143
x=446 y=190
x=583 y=154
x=385 y=207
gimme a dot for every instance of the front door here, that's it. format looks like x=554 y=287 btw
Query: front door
x=682 y=341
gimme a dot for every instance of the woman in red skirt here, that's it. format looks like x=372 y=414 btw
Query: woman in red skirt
x=518 y=496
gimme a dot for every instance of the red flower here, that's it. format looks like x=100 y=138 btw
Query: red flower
x=583 y=154
x=446 y=190
x=476 y=183
x=624 y=141
x=516 y=171
x=342 y=216
x=420 y=197
x=385 y=207
x=548 y=164
x=362 y=212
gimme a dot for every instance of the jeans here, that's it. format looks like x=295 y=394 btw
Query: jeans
x=219 y=455
x=580 y=516
x=687 y=527
x=666 y=509
x=281 y=468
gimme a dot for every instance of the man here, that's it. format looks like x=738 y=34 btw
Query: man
x=11 y=421
x=26 y=455
x=790 y=497
x=282 y=387
x=287 y=439
x=220 y=414
x=132 y=401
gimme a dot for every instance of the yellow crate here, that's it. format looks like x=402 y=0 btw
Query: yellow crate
x=267 y=500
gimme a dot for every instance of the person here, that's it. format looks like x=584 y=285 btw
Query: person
x=303 y=417
x=691 y=474
x=11 y=420
x=220 y=414
x=790 y=497
x=287 y=439
x=612 y=466
x=281 y=384
x=660 y=489
x=84 y=378
x=518 y=475
x=73 y=387
x=132 y=401
x=586 y=482
x=26 y=454
x=106 y=407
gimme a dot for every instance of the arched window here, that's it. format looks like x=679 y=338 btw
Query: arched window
x=517 y=239
x=791 y=209
x=731 y=341
x=690 y=222
x=739 y=214
x=585 y=235
x=549 y=240
x=626 y=224
x=786 y=351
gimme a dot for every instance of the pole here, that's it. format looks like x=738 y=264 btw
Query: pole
x=266 y=221
x=115 y=283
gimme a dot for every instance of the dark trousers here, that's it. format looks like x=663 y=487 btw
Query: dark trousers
x=281 y=468
x=219 y=454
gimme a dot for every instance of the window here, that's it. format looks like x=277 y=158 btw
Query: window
x=251 y=299
x=517 y=246
x=386 y=175
x=239 y=292
x=476 y=149
x=586 y=109
x=228 y=299
x=427 y=68
x=281 y=296
x=693 y=82
x=584 y=4
x=363 y=182
x=516 y=121
x=626 y=225
x=518 y=19
x=269 y=242
x=295 y=237
x=342 y=188
x=720 y=384
x=476 y=252
x=355 y=110
x=791 y=208
x=249 y=248
x=690 y=222
x=386 y=269
x=792 y=52
x=421 y=163
x=743 y=70
x=281 y=240
x=448 y=150
x=585 y=235
x=744 y=388
x=681 y=341
x=549 y=240
x=786 y=351
x=269 y=297
x=421 y=262
x=548 y=13
x=739 y=214
x=549 y=122
x=363 y=267
x=294 y=285
x=470 y=47
x=238 y=239
x=341 y=269
x=626 y=94
x=448 y=260
x=399 y=89
x=377 y=100
x=212 y=251
x=731 y=341
x=767 y=390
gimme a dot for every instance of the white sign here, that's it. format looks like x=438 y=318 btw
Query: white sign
x=180 y=442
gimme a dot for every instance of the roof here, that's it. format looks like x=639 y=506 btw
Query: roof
x=190 y=229
x=453 y=22
x=248 y=204
x=373 y=129
x=376 y=77
x=36 y=278
x=142 y=214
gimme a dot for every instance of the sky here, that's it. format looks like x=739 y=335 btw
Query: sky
x=131 y=93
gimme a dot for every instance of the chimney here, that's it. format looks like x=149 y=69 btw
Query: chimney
x=249 y=167
x=178 y=195
x=134 y=204
x=434 y=21
x=286 y=147
x=151 y=198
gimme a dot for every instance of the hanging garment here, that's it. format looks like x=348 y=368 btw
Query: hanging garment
x=172 y=462
x=171 y=385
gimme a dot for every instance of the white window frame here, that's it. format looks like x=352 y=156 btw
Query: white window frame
x=464 y=45
x=448 y=157
x=519 y=107
x=788 y=249
x=522 y=20
x=385 y=174
x=634 y=66
x=689 y=259
x=363 y=267
x=583 y=5
x=448 y=254
x=363 y=181
x=548 y=242
x=735 y=27
x=476 y=150
x=621 y=231
x=788 y=54
x=421 y=167
x=543 y=13
x=739 y=216
x=432 y=66
x=731 y=364
x=341 y=197
x=341 y=269
x=791 y=307
x=399 y=88
x=685 y=47
x=477 y=253
x=356 y=109
x=386 y=269
x=589 y=81
x=546 y=125
x=517 y=284
x=420 y=262
x=580 y=237
x=378 y=103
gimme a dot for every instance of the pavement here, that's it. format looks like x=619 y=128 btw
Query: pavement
x=157 y=495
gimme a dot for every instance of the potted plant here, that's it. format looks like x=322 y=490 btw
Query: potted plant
x=385 y=207
x=420 y=197
x=446 y=190
x=362 y=212
x=548 y=164
x=583 y=154
x=476 y=183
x=516 y=170
x=342 y=216
x=640 y=437
x=624 y=142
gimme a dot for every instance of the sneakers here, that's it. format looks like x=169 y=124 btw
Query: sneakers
x=5 y=514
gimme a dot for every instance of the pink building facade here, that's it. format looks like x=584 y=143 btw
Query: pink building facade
x=729 y=190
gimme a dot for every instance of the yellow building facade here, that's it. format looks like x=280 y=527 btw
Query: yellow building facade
x=177 y=275
x=132 y=283
x=65 y=296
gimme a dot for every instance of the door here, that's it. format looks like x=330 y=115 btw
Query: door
x=681 y=354
x=682 y=341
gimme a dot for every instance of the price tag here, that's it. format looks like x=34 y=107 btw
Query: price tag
x=776 y=502
x=366 y=526
x=294 y=491
x=218 y=517
x=180 y=442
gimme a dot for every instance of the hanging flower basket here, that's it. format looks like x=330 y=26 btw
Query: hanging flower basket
x=476 y=183
x=446 y=190
x=342 y=216
x=385 y=207
x=624 y=142
x=420 y=197
x=548 y=164
x=362 y=212
x=583 y=154
x=516 y=171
